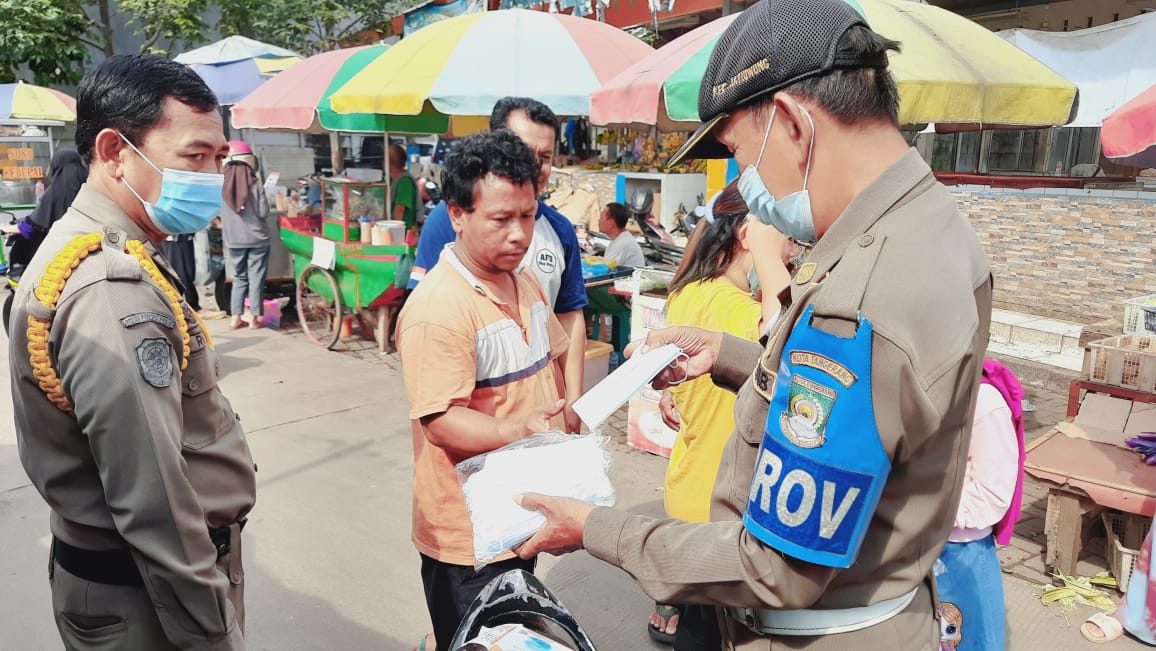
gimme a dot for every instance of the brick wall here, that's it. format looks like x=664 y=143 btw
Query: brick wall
x=1074 y=255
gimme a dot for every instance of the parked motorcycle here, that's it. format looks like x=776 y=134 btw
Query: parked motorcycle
x=518 y=597
x=659 y=247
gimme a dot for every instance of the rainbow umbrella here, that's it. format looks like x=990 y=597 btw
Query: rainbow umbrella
x=21 y=101
x=1129 y=132
x=950 y=71
x=463 y=65
x=298 y=99
x=235 y=66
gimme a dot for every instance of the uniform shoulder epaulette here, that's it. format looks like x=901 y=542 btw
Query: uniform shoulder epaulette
x=51 y=284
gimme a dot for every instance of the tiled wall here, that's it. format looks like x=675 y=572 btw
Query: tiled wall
x=1067 y=254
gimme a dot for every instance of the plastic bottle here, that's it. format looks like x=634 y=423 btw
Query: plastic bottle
x=1059 y=168
x=39 y=190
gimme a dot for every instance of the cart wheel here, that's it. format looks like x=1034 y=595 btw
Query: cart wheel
x=320 y=316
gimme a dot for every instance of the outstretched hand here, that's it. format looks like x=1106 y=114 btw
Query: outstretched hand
x=700 y=346
x=565 y=522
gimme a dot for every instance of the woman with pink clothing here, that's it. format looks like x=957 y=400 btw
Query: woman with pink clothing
x=968 y=571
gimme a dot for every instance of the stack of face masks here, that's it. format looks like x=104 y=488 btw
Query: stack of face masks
x=551 y=463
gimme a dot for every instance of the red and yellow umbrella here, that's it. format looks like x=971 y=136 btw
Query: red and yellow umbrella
x=21 y=101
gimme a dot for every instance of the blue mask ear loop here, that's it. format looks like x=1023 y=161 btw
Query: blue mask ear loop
x=138 y=153
x=811 y=149
x=766 y=137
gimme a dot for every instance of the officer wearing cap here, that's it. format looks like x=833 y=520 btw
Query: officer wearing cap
x=837 y=488
x=120 y=423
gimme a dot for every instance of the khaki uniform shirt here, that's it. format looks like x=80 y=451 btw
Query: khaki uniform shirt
x=153 y=455
x=929 y=299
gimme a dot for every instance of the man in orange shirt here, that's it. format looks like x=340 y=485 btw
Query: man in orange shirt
x=479 y=349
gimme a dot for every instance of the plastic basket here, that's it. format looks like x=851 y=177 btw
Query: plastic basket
x=1126 y=533
x=1128 y=361
x=1134 y=313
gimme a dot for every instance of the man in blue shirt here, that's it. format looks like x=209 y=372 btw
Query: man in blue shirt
x=553 y=256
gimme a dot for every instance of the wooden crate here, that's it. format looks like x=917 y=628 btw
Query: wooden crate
x=1128 y=361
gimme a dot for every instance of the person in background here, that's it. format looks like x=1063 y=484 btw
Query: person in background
x=479 y=351
x=181 y=253
x=553 y=255
x=968 y=571
x=404 y=193
x=623 y=248
x=66 y=173
x=725 y=265
x=246 y=234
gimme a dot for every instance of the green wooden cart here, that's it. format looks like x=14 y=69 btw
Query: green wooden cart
x=338 y=276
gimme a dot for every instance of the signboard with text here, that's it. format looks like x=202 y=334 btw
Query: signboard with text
x=23 y=160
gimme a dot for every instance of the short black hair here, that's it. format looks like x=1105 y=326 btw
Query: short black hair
x=127 y=93
x=851 y=95
x=619 y=213
x=537 y=112
x=499 y=152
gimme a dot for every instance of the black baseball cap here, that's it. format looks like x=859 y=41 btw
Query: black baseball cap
x=771 y=45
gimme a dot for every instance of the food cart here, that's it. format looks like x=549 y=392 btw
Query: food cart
x=26 y=150
x=340 y=277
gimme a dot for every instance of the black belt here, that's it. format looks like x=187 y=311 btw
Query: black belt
x=116 y=566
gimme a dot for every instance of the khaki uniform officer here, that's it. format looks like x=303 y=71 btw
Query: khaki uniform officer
x=836 y=492
x=121 y=425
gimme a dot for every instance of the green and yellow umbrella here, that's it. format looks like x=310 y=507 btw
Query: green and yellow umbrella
x=298 y=99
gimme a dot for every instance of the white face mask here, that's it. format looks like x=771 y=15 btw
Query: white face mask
x=790 y=215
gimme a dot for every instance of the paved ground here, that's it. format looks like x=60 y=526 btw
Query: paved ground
x=329 y=561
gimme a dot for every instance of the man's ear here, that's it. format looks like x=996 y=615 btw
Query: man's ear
x=109 y=151
x=457 y=216
x=798 y=127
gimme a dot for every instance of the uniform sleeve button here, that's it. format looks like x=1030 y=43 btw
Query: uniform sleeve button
x=867 y=240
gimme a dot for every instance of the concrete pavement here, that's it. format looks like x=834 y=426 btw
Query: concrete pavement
x=329 y=563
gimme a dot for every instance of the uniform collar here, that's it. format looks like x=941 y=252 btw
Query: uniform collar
x=104 y=211
x=448 y=255
x=860 y=215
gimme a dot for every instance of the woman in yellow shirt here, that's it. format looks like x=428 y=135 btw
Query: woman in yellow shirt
x=713 y=290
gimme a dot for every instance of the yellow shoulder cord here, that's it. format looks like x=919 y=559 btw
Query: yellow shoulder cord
x=48 y=292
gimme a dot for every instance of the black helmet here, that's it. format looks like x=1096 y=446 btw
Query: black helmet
x=518 y=597
x=641 y=201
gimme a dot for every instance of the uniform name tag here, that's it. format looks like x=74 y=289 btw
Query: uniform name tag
x=806 y=504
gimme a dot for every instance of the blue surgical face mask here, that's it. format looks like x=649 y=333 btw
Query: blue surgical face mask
x=188 y=200
x=753 y=279
x=790 y=215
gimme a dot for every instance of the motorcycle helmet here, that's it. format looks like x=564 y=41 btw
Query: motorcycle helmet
x=518 y=597
x=241 y=152
x=641 y=201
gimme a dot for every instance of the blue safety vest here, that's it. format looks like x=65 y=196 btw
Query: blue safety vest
x=821 y=466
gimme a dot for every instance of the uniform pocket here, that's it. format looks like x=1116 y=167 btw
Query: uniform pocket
x=93 y=632
x=750 y=418
x=207 y=414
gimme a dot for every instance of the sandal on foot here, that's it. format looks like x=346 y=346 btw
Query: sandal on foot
x=666 y=612
x=422 y=645
x=1101 y=628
